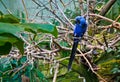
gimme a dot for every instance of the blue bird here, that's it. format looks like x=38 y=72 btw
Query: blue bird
x=79 y=30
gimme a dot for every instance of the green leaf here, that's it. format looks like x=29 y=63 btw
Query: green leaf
x=20 y=45
x=22 y=60
x=23 y=17
x=114 y=11
x=109 y=50
x=40 y=75
x=115 y=70
x=5 y=64
x=63 y=43
x=6 y=42
x=14 y=63
x=28 y=70
x=1 y=13
x=10 y=33
x=10 y=28
x=9 y=19
x=4 y=38
x=15 y=29
x=44 y=44
x=82 y=70
x=45 y=28
x=55 y=22
x=16 y=76
x=64 y=53
x=5 y=49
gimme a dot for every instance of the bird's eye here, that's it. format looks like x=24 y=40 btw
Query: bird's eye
x=77 y=21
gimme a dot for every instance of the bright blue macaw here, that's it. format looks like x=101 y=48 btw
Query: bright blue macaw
x=79 y=30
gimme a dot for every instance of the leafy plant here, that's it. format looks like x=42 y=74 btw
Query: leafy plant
x=9 y=67
x=42 y=49
x=10 y=33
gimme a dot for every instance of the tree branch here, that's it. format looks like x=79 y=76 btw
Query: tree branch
x=48 y=10
x=114 y=23
x=106 y=8
x=56 y=71
x=114 y=42
x=91 y=66
x=5 y=7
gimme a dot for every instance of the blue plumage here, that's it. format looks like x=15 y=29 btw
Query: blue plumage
x=79 y=30
x=80 y=26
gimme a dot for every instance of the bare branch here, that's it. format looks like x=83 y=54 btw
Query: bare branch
x=26 y=42
x=56 y=71
x=62 y=13
x=23 y=66
x=49 y=10
x=114 y=42
x=106 y=8
x=6 y=7
x=96 y=15
x=114 y=23
x=91 y=66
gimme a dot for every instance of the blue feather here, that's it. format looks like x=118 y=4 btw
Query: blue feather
x=79 y=30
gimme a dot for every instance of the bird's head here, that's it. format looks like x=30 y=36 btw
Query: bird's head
x=80 y=20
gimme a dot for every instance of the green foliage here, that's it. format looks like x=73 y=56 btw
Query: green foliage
x=12 y=26
x=72 y=14
x=5 y=64
x=79 y=70
x=10 y=30
x=55 y=22
x=45 y=45
x=45 y=28
x=10 y=33
x=5 y=49
x=114 y=11
x=9 y=72
x=108 y=62
x=63 y=52
x=110 y=54
x=9 y=18
x=87 y=73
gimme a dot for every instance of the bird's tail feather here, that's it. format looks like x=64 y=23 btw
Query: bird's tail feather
x=74 y=48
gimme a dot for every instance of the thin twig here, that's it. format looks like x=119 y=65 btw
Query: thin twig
x=24 y=39
x=114 y=42
x=77 y=55
x=56 y=71
x=117 y=18
x=91 y=66
x=23 y=66
x=49 y=10
x=61 y=24
x=81 y=6
x=64 y=15
x=5 y=7
x=96 y=15
x=114 y=23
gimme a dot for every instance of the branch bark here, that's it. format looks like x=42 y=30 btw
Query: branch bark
x=114 y=23
x=106 y=8
x=56 y=72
